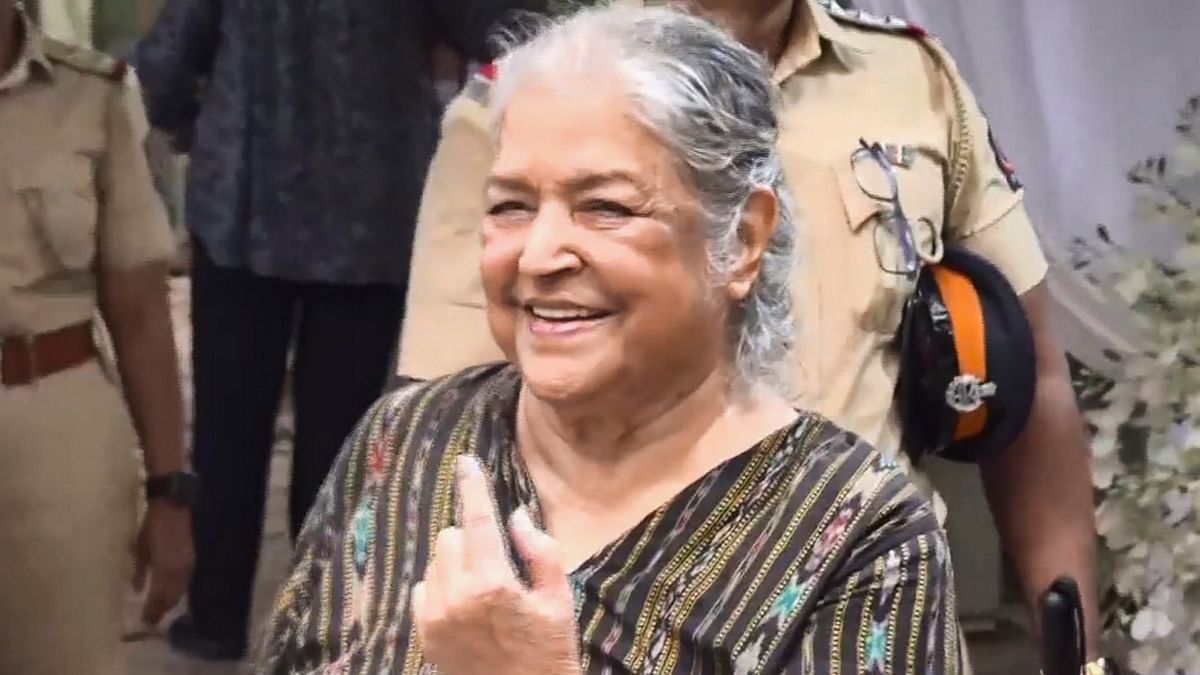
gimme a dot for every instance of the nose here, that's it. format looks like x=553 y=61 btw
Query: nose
x=548 y=249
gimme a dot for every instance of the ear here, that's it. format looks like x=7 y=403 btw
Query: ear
x=759 y=219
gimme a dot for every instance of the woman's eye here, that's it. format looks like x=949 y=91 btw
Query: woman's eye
x=506 y=207
x=608 y=209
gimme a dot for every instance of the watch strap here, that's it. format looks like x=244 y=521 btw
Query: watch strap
x=178 y=486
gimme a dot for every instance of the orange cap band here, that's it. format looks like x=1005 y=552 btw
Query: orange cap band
x=966 y=318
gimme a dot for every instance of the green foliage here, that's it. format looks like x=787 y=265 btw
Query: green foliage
x=1146 y=421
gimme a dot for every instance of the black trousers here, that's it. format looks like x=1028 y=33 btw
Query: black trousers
x=243 y=325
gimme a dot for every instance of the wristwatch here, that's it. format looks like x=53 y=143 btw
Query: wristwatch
x=178 y=487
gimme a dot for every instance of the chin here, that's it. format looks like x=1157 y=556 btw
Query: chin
x=560 y=380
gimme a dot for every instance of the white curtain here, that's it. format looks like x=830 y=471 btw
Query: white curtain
x=1077 y=92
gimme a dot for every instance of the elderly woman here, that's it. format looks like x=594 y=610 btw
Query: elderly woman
x=632 y=495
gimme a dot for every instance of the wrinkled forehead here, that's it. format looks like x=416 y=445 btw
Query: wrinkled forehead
x=578 y=139
x=588 y=122
x=557 y=83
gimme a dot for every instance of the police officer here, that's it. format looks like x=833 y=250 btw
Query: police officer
x=848 y=81
x=81 y=232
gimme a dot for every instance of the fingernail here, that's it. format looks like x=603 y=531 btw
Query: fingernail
x=466 y=466
x=522 y=522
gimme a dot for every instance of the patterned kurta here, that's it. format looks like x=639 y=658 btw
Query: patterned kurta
x=808 y=553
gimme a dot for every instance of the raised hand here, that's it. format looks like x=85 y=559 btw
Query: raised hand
x=472 y=612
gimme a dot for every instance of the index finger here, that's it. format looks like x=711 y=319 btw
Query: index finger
x=482 y=540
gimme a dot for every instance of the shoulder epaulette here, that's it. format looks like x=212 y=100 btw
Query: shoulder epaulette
x=479 y=85
x=478 y=89
x=85 y=60
x=857 y=17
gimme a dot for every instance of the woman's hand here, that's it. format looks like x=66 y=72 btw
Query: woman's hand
x=472 y=612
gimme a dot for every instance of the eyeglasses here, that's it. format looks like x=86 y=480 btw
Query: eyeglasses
x=876 y=177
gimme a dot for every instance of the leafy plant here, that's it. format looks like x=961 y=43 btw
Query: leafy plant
x=1146 y=421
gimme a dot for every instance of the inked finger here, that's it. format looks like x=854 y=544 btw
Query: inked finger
x=483 y=541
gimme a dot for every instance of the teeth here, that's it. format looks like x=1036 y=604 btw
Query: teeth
x=560 y=314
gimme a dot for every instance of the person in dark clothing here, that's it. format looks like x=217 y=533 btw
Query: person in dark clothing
x=310 y=127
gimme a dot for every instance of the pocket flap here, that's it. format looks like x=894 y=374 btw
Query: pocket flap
x=60 y=198
x=859 y=207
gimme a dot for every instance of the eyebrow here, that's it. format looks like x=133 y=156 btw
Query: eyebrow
x=582 y=182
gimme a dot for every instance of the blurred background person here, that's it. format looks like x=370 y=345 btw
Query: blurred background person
x=82 y=235
x=310 y=126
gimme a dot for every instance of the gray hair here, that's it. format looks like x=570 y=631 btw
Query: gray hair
x=711 y=102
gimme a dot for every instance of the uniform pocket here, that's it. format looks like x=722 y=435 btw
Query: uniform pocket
x=877 y=290
x=872 y=296
x=60 y=197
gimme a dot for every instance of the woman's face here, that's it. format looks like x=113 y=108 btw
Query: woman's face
x=593 y=258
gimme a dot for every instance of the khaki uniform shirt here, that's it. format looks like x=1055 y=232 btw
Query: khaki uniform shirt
x=70 y=21
x=842 y=80
x=75 y=191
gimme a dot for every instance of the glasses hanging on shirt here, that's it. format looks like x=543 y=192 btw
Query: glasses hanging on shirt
x=876 y=177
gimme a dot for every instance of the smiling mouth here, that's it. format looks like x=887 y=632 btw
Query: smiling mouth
x=562 y=320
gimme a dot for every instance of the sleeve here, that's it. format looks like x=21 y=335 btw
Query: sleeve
x=469 y=24
x=987 y=211
x=294 y=639
x=890 y=608
x=133 y=226
x=445 y=322
x=173 y=61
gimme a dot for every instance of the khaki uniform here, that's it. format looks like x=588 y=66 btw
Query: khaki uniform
x=75 y=197
x=71 y=21
x=842 y=80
